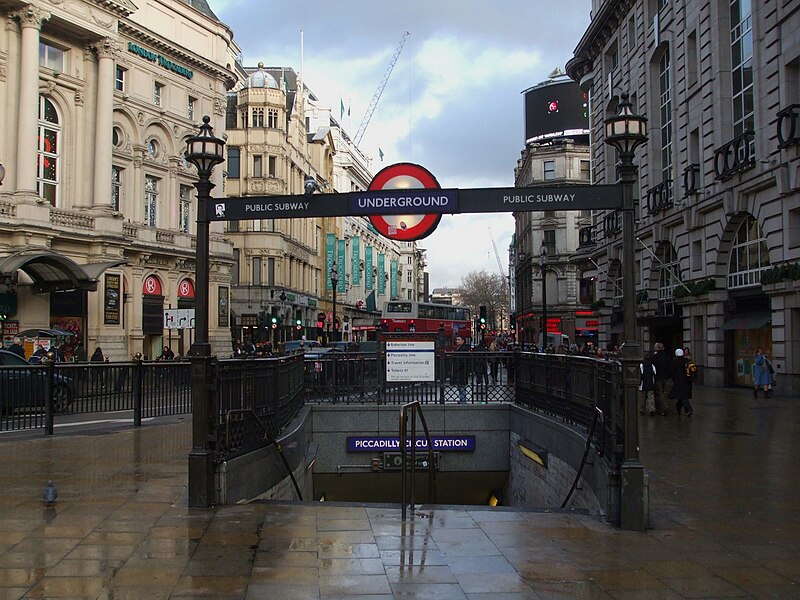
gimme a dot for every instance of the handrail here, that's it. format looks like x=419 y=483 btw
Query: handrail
x=416 y=409
x=270 y=439
x=598 y=414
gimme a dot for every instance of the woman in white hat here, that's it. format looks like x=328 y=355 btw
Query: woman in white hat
x=681 y=384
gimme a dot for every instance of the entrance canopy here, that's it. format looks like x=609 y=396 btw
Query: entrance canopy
x=53 y=272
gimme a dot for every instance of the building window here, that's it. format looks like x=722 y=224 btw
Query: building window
x=150 y=199
x=47 y=157
x=668 y=279
x=549 y=170
x=119 y=79
x=272 y=118
x=233 y=226
x=234 y=155
x=152 y=148
x=184 y=215
x=158 y=93
x=742 y=66
x=51 y=57
x=116 y=187
x=270 y=271
x=237 y=257
x=258 y=117
x=665 y=105
x=749 y=256
x=273 y=166
x=586 y=170
x=244 y=119
x=258 y=168
x=550 y=241
x=256 y=270
x=410 y=277
x=190 y=105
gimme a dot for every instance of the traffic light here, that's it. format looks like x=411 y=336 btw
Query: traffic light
x=512 y=322
x=298 y=324
x=274 y=322
x=482 y=318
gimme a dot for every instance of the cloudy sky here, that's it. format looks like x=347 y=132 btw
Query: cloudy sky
x=452 y=102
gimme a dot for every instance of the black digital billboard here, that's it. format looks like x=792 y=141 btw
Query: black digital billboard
x=556 y=109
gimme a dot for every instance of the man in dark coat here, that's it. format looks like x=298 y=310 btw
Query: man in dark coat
x=663 y=364
x=460 y=369
x=681 y=384
x=17 y=348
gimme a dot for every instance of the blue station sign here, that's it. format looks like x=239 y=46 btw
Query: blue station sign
x=441 y=443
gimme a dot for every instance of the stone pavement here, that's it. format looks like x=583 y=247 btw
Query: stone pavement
x=724 y=498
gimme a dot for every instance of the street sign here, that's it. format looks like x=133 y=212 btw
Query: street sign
x=402 y=202
x=408 y=190
x=178 y=318
x=410 y=361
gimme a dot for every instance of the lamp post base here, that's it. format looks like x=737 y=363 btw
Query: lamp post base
x=201 y=479
x=635 y=497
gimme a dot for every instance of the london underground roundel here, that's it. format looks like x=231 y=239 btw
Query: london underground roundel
x=405 y=228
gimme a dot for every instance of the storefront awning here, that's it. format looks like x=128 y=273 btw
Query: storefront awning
x=53 y=272
x=749 y=321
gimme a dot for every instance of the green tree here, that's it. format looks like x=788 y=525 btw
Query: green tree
x=481 y=288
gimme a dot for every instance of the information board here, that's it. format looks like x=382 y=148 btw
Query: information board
x=410 y=361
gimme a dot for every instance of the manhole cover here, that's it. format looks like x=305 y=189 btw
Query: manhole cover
x=734 y=433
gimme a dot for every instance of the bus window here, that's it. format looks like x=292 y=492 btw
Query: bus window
x=425 y=312
x=399 y=307
x=439 y=313
x=460 y=314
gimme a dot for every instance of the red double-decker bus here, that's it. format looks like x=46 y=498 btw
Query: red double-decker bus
x=408 y=316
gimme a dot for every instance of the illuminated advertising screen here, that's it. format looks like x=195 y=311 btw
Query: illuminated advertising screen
x=558 y=109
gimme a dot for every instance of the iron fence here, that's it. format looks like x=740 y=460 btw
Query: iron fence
x=257 y=398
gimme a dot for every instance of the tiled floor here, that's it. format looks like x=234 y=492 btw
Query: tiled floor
x=724 y=498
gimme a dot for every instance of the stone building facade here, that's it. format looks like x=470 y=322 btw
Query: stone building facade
x=718 y=208
x=97 y=206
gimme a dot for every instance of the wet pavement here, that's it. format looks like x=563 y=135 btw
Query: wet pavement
x=724 y=496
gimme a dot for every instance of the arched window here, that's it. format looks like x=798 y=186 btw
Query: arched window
x=47 y=159
x=749 y=256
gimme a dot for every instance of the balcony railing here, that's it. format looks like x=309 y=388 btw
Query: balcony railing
x=735 y=156
x=691 y=180
x=660 y=197
x=788 y=130
x=612 y=224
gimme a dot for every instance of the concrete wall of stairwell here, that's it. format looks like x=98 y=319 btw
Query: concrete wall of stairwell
x=318 y=435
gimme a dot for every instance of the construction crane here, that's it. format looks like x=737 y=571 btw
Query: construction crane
x=377 y=96
x=497 y=255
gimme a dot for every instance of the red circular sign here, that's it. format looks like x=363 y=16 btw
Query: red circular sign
x=186 y=289
x=405 y=227
x=151 y=286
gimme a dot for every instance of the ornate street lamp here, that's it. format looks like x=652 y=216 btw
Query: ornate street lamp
x=204 y=151
x=543 y=269
x=626 y=131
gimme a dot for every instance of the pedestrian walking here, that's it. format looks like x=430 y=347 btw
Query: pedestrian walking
x=460 y=368
x=98 y=373
x=763 y=373
x=663 y=364
x=17 y=348
x=681 y=384
x=647 y=385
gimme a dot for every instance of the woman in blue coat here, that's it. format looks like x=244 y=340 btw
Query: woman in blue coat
x=762 y=374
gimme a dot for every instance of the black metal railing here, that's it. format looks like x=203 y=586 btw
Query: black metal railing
x=691 y=180
x=660 y=197
x=257 y=398
x=611 y=224
x=735 y=156
x=788 y=129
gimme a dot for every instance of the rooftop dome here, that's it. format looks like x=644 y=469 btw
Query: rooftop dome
x=262 y=79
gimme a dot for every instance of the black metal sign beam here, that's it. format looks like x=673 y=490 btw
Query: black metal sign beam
x=416 y=202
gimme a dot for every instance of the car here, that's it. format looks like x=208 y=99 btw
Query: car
x=343 y=346
x=23 y=385
x=290 y=346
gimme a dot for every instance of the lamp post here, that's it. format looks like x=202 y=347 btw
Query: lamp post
x=543 y=268
x=626 y=131
x=204 y=151
x=334 y=275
